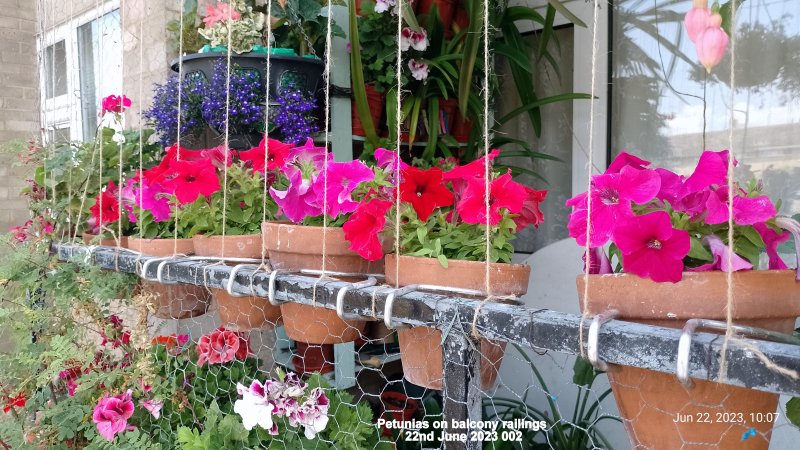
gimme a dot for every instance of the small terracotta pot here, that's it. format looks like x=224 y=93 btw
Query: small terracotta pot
x=296 y=247
x=240 y=313
x=93 y=239
x=420 y=347
x=650 y=401
x=174 y=301
x=375 y=103
x=313 y=358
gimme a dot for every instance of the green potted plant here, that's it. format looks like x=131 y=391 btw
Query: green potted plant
x=668 y=239
x=442 y=242
x=226 y=225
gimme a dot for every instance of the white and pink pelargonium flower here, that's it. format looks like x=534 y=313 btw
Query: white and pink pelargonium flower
x=255 y=406
x=419 y=69
x=409 y=38
x=381 y=6
x=313 y=413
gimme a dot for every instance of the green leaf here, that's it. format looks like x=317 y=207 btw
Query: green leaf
x=793 y=411
x=442 y=260
x=698 y=251
x=566 y=13
x=582 y=372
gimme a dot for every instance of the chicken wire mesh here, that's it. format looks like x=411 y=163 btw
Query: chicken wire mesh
x=199 y=367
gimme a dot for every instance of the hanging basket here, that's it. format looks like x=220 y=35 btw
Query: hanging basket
x=239 y=313
x=650 y=402
x=297 y=247
x=173 y=301
x=421 y=347
x=303 y=73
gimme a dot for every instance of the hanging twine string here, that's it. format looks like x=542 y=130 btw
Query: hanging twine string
x=264 y=264
x=723 y=362
x=397 y=143
x=226 y=147
x=118 y=237
x=180 y=119
x=141 y=97
x=587 y=249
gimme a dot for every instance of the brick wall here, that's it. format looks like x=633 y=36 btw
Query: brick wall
x=19 y=104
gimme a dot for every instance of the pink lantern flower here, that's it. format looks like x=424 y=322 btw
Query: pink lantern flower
x=334 y=192
x=696 y=21
x=712 y=44
x=651 y=247
x=221 y=13
x=409 y=38
x=419 y=69
x=112 y=413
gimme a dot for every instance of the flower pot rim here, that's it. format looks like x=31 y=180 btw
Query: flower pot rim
x=459 y=262
x=247 y=55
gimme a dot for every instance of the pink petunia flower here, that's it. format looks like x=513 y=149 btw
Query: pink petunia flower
x=299 y=200
x=112 y=413
x=334 y=191
x=746 y=210
x=772 y=239
x=625 y=159
x=651 y=248
x=721 y=260
x=599 y=264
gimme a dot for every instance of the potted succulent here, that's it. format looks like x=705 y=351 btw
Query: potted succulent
x=157 y=199
x=668 y=237
x=442 y=242
x=298 y=243
x=225 y=224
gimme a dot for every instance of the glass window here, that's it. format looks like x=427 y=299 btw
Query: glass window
x=55 y=70
x=99 y=64
x=667 y=108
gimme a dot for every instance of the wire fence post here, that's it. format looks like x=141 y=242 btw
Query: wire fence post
x=461 y=391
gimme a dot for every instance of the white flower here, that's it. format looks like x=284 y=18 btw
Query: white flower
x=314 y=413
x=381 y=6
x=418 y=40
x=419 y=69
x=254 y=407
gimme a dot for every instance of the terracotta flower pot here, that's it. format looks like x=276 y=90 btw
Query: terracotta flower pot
x=296 y=247
x=240 y=313
x=650 y=401
x=309 y=358
x=93 y=239
x=174 y=301
x=375 y=103
x=420 y=347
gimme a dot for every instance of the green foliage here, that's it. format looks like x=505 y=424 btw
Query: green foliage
x=378 y=47
x=793 y=411
x=220 y=432
x=186 y=38
x=302 y=27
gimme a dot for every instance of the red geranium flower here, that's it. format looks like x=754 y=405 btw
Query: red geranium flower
x=651 y=247
x=115 y=104
x=192 y=179
x=221 y=346
x=362 y=228
x=424 y=190
x=504 y=193
x=106 y=206
x=531 y=214
x=278 y=151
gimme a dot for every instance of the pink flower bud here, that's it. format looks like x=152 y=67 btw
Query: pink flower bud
x=696 y=21
x=711 y=46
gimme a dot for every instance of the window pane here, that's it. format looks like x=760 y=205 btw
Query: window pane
x=100 y=66
x=666 y=108
x=55 y=70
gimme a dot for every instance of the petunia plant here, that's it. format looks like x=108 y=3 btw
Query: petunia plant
x=658 y=224
x=443 y=214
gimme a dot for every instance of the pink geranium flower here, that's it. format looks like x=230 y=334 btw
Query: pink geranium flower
x=418 y=40
x=221 y=13
x=112 y=413
x=115 y=104
x=612 y=196
x=720 y=253
x=221 y=346
x=334 y=191
x=152 y=406
x=651 y=247
x=419 y=69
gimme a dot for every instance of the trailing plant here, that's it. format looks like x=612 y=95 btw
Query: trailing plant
x=234 y=22
x=186 y=38
x=163 y=115
x=241 y=105
x=294 y=119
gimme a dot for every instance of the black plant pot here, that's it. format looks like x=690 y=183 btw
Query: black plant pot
x=238 y=141
x=299 y=72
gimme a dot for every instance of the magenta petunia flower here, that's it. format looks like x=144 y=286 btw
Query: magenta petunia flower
x=671 y=186
x=772 y=239
x=625 y=159
x=612 y=195
x=112 y=413
x=342 y=179
x=299 y=200
x=746 y=210
x=721 y=261
x=651 y=248
x=712 y=169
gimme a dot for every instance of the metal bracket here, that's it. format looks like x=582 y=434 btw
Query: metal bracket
x=387 y=310
x=371 y=281
x=594 y=332
x=232 y=278
x=147 y=263
x=160 y=272
x=271 y=289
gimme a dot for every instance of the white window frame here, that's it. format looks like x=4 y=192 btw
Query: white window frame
x=65 y=110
